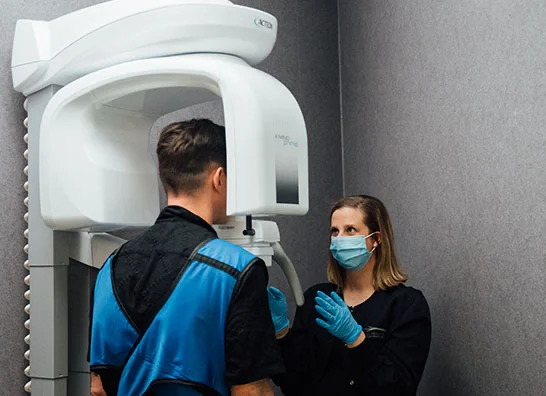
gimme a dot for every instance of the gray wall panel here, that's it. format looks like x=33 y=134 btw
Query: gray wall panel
x=443 y=119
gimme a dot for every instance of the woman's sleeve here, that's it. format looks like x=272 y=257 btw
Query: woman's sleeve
x=397 y=367
x=298 y=355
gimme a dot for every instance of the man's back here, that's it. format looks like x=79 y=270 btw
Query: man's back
x=147 y=267
x=198 y=306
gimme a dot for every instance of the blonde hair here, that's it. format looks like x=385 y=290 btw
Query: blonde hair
x=387 y=273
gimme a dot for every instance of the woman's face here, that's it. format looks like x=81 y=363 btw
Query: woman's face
x=350 y=222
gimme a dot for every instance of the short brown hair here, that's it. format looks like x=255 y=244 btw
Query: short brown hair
x=387 y=272
x=186 y=150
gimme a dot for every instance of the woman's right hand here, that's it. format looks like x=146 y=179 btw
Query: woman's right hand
x=278 y=309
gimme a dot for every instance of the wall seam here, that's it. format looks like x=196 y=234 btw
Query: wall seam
x=343 y=190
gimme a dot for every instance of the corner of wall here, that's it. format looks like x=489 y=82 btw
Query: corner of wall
x=343 y=192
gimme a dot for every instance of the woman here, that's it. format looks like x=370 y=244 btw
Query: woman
x=364 y=333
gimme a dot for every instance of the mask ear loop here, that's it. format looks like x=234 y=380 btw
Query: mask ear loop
x=377 y=242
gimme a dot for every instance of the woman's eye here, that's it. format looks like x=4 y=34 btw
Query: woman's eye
x=334 y=232
x=351 y=229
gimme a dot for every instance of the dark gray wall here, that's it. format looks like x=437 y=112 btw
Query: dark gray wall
x=443 y=119
x=305 y=59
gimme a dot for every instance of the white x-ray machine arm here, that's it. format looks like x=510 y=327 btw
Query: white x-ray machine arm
x=96 y=81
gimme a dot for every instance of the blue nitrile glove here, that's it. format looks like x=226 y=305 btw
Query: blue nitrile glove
x=338 y=319
x=278 y=308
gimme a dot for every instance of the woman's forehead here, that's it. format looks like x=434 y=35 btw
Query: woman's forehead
x=347 y=215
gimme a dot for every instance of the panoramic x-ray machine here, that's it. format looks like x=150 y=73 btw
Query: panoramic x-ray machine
x=97 y=80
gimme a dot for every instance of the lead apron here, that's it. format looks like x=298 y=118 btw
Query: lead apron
x=184 y=343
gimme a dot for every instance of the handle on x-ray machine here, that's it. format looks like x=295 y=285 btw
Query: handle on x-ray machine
x=281 y=258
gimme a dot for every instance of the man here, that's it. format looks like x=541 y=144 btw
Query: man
x=176 y=310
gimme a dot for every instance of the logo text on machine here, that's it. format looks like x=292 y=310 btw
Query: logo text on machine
x=286 y=140
x=263 y=23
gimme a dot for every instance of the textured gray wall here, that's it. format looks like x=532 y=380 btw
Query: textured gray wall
x=443 y=119
x=305 y=59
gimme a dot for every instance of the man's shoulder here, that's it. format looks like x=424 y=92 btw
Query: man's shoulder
x=228 y=253
x=167 y=237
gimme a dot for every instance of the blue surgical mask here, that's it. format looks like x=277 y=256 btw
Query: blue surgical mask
x=351 y=251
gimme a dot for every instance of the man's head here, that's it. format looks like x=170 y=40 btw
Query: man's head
x=192 y=165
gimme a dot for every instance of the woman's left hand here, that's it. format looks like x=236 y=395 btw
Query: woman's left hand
x=278 y=308
x=338 y=319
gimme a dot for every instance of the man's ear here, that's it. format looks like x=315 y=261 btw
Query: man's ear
x=219 y=179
